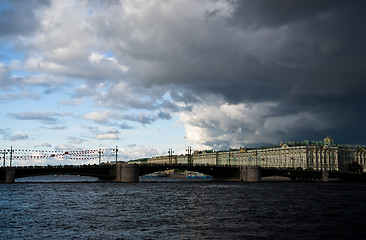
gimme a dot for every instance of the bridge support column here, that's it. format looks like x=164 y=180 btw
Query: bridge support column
x=250 y=173
x=10 y=175
x=325 y=176
x=127 y=173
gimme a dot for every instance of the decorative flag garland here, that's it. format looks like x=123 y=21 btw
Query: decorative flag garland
x=81 y=155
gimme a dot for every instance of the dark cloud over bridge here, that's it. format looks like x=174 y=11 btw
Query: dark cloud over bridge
x=234 y=73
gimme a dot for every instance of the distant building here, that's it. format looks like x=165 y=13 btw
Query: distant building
x=316 y=155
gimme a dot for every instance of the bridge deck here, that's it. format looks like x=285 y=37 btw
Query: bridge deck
x=108 y=172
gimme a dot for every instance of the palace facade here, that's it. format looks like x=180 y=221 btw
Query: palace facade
x=315 y=155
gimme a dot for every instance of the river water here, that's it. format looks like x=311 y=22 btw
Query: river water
x=177 y=209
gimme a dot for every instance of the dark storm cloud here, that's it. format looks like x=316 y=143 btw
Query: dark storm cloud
x=319 y=66
x=298 y=66
x=18 y=17
x=321 y=51
x=300 y=49
x=254 y=14
x=307 y=57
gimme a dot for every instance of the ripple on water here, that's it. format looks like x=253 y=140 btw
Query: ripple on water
x=182 y=210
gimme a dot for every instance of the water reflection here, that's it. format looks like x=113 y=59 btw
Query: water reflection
x=77 y=178
x=57 y=178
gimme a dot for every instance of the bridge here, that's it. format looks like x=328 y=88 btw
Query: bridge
x=124 y=172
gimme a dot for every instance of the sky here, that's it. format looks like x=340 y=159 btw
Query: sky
x=148 y=76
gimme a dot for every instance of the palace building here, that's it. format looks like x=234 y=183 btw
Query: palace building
x=315 y=155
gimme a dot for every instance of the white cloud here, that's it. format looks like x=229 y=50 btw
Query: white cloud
x=41 y=65
x=46 y=144
x=99 y=117
x=47 y=80
x=76 y=140
x=45 y=117
x=16 y=65
x=64 y=147
x=265 y=72
x=222 y=125
x=19 y=136
x=96 y=57
x=216 y=124
x=106 y=63
x=4 y=75
x=111 y=135
x=140 y=151
x=108 y=136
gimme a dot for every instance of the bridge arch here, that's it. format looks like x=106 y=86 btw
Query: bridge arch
x=97 y=171
x=214 y=171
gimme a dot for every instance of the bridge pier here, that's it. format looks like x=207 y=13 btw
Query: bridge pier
x=127 y=173
x=325 y=176
x=250 y=173
x=10 y=175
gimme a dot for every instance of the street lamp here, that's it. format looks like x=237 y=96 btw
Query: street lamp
x=100 y=155
x=189 y=152
x=11 y=154
x=4 y=152
x=116 y=154
x=170 y=152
